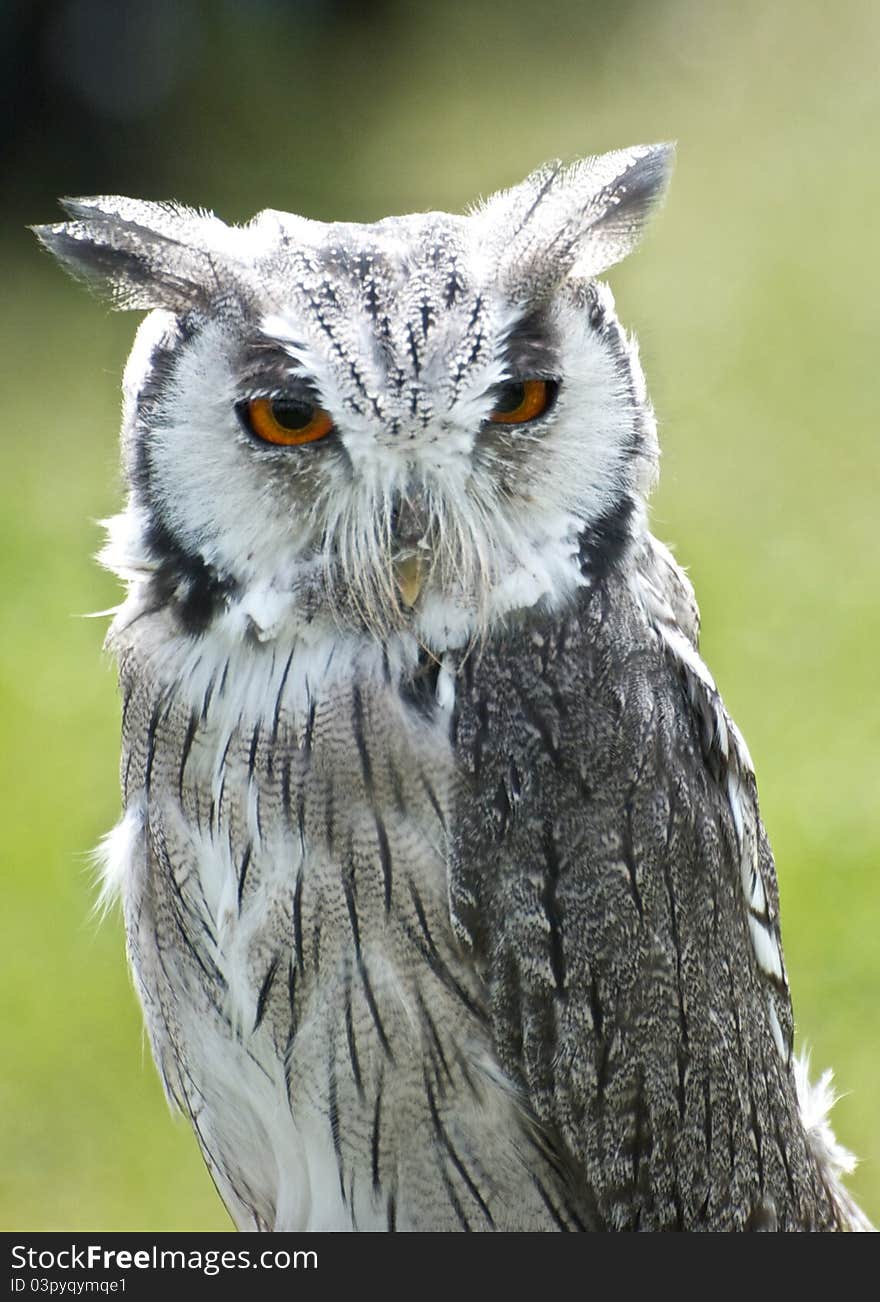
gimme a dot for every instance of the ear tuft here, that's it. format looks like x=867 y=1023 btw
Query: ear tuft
x=621 y=210
x=141 y=255
x=579 y=219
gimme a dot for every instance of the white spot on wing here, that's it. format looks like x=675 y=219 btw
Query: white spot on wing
x=776 y=1029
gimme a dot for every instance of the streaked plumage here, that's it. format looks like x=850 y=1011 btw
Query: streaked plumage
x=446 y=892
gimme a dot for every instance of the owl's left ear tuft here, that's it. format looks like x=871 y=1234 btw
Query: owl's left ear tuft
x=578 y=219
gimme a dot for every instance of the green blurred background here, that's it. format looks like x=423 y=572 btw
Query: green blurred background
x=755 y=299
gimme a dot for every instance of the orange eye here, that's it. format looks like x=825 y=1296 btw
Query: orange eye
x=285 y=421
x=523 y=400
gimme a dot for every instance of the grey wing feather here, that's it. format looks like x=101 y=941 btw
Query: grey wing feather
x=597 y=878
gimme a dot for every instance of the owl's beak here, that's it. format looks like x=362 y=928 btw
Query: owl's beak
x=411 y=549
x=409 y=574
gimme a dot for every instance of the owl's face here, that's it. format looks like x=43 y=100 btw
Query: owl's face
x=413 y=425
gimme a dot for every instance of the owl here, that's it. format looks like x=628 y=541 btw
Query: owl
x=446 y=894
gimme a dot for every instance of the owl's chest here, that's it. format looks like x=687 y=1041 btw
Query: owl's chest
x=285 y=914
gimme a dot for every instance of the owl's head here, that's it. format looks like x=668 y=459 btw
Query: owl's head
x=421 y=424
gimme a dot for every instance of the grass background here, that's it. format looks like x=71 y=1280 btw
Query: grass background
x=755 y=299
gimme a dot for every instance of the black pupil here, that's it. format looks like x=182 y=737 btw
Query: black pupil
x=293 y=415
x=509 y=397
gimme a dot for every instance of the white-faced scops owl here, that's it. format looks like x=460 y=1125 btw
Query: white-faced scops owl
x=446 y=893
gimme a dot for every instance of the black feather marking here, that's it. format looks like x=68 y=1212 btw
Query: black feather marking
x=212 y=974
x=604 y=543
x=384 y=859
x=629 y=198
x=348 y=889
x=446 y=1143
x=374 y=1011
x=191 y=729
x=243 y=870
x=291 y=990
x=447 y=977
x=546 y=1200
x=333 y=1117
x=265 y=990
x=309 y=729
x=184 y=581
x=351 y=1041
x=375 y=1146
x=360 y=737
x=330 y=796
x=151 y=744
x=420 y=913
x=428 y=949
x=551 y=910
x=209 y=692
x=221 y=792
x=452 y=1196
x=297 y=925
x=432 y=797
x=126 y=777
x=433 y=1036
x=126 y=702
x=502 y=808
x=225 y=754
x=545 y=189
x=413 y=350
x=258 y=813
x=391 y=1213
x=330 y=331
x=279 y=700
x=455 y=286
x=252 y=753
x=285 y=788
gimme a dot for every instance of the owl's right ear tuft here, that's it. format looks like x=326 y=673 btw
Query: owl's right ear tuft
x=138 y=254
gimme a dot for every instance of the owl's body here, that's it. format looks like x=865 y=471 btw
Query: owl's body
x=446 y=892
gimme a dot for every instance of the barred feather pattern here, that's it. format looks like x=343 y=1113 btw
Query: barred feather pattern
x=288 y=923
